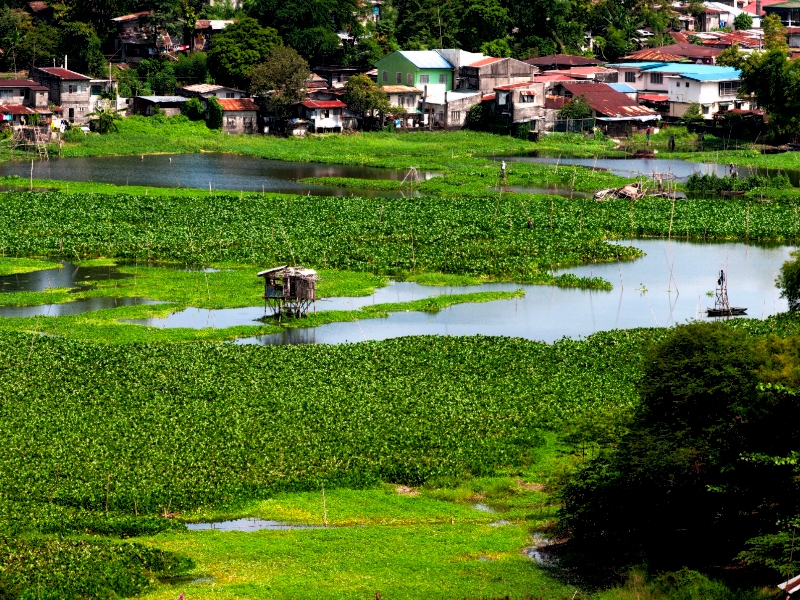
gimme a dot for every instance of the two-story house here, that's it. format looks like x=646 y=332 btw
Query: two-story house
x=68 y=89
x=204 y=91
x=426 y=70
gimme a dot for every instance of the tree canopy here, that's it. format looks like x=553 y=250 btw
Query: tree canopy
x=238 y=49
x=707 y=462
x=280 y=80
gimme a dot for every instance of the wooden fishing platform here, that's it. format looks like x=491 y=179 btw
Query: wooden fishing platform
x=289 y=290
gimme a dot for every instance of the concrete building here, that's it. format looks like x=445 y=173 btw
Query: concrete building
x=487 y=73
x=207 y=90
x=422 y=69
x=239 y=115
x=67 y=89
x=323 y=115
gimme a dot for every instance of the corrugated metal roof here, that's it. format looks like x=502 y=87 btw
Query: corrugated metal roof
x=63 y=73
x=132 y=16
x=323 y=104
x=654 y=54
x=16 y=109
x=791 y=586
x=425 y=59
x=691 y=70
x=623 y=88
x=562 y=59
x=237 y=104
x=158 y=99
x=608 y=102
x=22 y=83
x=400 y=89
x=512 y=86
x=485 y=61
x=654 y=97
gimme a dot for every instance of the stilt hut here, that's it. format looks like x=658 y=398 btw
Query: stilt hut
x=289 y=290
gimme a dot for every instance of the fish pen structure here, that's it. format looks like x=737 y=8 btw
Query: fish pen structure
x=289 y=290
x=722 y=307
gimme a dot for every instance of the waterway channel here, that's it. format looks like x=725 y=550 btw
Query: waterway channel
x=668 y=286
x=221 y=171
x=680 y=169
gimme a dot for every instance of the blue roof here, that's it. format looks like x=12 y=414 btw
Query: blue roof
x=687 y=69
x=621 y=87
x=426 y=59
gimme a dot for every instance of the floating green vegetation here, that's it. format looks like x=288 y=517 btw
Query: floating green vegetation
x=15 y=266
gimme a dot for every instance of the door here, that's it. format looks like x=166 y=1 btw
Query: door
x=71 y=115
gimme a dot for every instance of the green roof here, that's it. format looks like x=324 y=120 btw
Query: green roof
x=789 y=4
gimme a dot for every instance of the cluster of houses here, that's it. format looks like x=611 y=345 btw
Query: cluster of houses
x=438 y=89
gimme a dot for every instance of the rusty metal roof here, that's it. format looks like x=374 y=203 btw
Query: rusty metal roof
x=237 y=104
x=608 y=102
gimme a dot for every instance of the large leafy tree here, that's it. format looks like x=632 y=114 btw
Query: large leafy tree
x=483 y=21
x=702 y=467
x=281 y=80
x=310 y=26
x=80 y=42
x=364 y=97
x=239 y=48
x=774 y=81
x=422 y=25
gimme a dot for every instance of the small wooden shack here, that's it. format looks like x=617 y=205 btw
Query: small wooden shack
x=289 y=290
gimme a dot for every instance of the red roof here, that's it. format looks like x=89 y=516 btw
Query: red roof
x=654 y=97
x=551 y=76
x=751 y=8
x=323 y=104
x=606 y=101
x=488 y=97
x=38 y=6
x=63 y=73
x=566 y=60
x=512 y=86
x=21 y=83
x=653 y=54
x=132 y=16
x=485 y=61
x=16 y=109
x=237 y=104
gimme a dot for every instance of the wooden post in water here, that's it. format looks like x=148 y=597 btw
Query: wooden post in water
x=671 y=214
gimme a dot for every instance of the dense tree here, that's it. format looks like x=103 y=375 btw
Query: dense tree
x=731 y=57
x=576 y=108
x=704 y=466
x=788 y=282
x=238 y=49
x=743 y=21
x=774 y=33
x=280 y=81
x=79 y=41
x=192 y=68
x=483 y=20
x=364 y=97
x=310 y=26
x=774 y=81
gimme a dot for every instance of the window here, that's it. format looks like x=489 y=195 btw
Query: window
x=705 y=109
x=6 y=93
x=230 y=121
x=527 y=96
x=729 y=88
x=687 y=84
x=230 y=95
x=409 y=79
x=325 y=114
x=385 y=77
x=424 y=79
x=337 y=111
x=26 y=93
x=443 y=78
x=70 y=89
x=677 y=84
x=502 y=98
x=398 y=77
x=455 y=116
x=630 y=77
x=657 y=78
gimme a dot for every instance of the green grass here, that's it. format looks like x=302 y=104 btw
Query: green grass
x=15 y=266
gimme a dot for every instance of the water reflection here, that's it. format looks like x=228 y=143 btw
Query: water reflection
x=72 y=308
x=681 y=169
x=221 y=171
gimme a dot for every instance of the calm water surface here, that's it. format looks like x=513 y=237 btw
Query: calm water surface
x=222 y=171
x=681 y=169
x=666 y=287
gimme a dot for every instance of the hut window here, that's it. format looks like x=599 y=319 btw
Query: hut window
x=630 y=77
x=424 y=79
x=325 y=114
x=527 y=97
x=385 y=76
x=398 y=78
x=6 y=93
x=443 y=79
x=657 y=78
x=409 y=79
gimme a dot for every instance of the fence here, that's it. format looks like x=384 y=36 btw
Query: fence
x=573 y=125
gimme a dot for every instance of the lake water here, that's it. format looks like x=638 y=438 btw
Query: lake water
x=681 y=169
x=222 y=171
x=666 y=287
